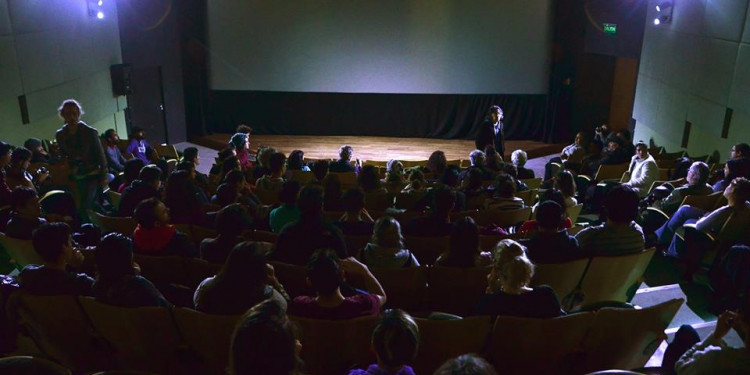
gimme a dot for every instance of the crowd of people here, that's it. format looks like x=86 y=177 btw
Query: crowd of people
x=292 y=196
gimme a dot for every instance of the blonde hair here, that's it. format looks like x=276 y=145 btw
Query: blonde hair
x=387 y=233
x=511 y=268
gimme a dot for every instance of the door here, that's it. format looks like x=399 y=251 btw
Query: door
x=146 y=104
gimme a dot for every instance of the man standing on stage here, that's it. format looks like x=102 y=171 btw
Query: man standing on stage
x=491 y=132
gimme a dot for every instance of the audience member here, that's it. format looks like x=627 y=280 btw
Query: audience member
x=571 y=157
x=519 y=159
x=550 y=244
x=473 y=189
x=615 y=153
x=697 y=178
x=508 y=291
x=182 y=197
x=116 y=280
x=394 y=176
x=437 y=163
x=437 y=223
x=355 y=221
x=494 y=161
x=146 y=186
x=619 y=234
x=739 y=167
x=244 y=281
x=274 y=179
x=138 y=144
x=529 y=227
x=26 y=214
x=154 y=235
x=643 y=170
x=153 y=158
x=386 y=247
x=190 y=154
x=5 y=191
x=511 y=170
x=369 y=180
x=115 y=160
x=241 y=143
x=463 y=247
x=627 y=142
x=466 y=364
x=17 y=174
x=566 y=184
x=320 y=169
x=231 y=221
x=326 y=274
x=39 y=154
x=288 y=211
x=132 y=171
x=417 y=183
x=344 y=162
x=593 y=159
x=503 y=198
x=332 y=194
x=477 y=159
x=295 y=162
x=395 y=342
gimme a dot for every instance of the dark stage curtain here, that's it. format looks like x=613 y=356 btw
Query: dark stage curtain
x=390 y=115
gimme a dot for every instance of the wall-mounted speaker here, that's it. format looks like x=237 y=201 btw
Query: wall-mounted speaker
x=121 y=84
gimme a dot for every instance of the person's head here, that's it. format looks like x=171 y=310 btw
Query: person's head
x=474 y=179
x=188 y=167
x=5 y=150
x=511 y=170
x=614 y=143
x=505 y=186
x=621 y=205
x=264 y=156
x=289 y=192
x=550 y=216
x=59 y=205
x=25 y=202
x=324 y=272
x=20 y=158
x=230 y=164
x=553 y=195
x=132 y=169
x=264 y=342
x=387 y=233
x=114 y=257
x=450 y=177
x=242 y=128
x=310 y=201
x=466 y=364
x=395 y=171
x=245 y=266
x=566 y=183
x=296 y=160
x=346 y=152
x=240 y=141
x=477 y=157
x=191 y=154
x=494 y=160
x=151 y=174
x=740 y=150
x=437 y=162
x=138 y=133
x=734 y=168
x=738 y=191
x=231 y=220
x=70 y=111
x=519 y=158
x=511 y=269
x=353 y=200
x=369 y=178
x=641 y=150
x=698 y=174
x=395 y=339
x=276 y=162
x=151 y=213
x=320 y=169
x=495 y=113
x=34 y=145
x=53 y=242
x=111 y=137
x=444 y=201
x=580 y=138
x=463 y=245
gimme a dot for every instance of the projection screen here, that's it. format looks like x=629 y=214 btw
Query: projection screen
x=380 y=46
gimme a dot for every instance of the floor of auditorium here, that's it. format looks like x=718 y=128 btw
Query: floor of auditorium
x=662 y=279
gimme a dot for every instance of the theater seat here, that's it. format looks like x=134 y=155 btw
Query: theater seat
x=208 y=336
x=441 y=340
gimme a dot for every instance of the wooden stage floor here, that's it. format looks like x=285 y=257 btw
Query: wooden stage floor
x=376 y=148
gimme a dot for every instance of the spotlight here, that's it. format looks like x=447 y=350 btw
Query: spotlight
x=664 y=5
x=664 y=12
x=96 y=8
x=100 y=15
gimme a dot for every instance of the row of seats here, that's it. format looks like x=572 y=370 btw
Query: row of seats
x=85 y=335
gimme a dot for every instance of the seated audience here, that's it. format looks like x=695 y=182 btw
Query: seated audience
x=344 y=162
x=17 y=174
x=223 y=155
x=262 y=167
x=38 y=153
x=417 y=183
x=326 y=274
x=571 y=157
x=138 y=144
x=146 y=186
x=154 y=235
x=478 y=160
x=386 y=247
x=463 y=247
x=615 y=153
x=437 y=223
x=395 y=342
x=503 y=198
x=355 y=221
x=508 y=291
x=529 y=227
x=519 y=159
x=274 y=179
x=189 y=168
x=60 y=207
x=320 y=169
x=697 y=178
x=54 y=244
x=264 y=342
x=494 y=161
x=191 y=154
x=511 y=170
x=116 y=280
x=620 y=234
x=332 y=193
x=288 y=211
x=241 y=143
x=182 y=197
x=296 y=162
x=26 y=213
x=115 y=160
x=738 y=151
x=132 y=171
x=550 y=244
x=738 y=167
x=643 y=170
x=436 y=163
x=369 y=180
x=466 y=364
x=244 y=281
x=155 y=159
x=473 y=189
x=231 y=221
x=5 y=191
x=593 y=159
x=394 y=176
x=298 y=240
x=566 y=184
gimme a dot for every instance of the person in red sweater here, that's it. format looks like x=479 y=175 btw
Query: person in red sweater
x=155 y=236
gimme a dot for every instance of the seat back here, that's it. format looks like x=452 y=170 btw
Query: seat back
x=532 y=183
x=456 y=290
x=267 y=196
x=167 y=151
x=561 y=277
x=441 y=340
x=528 y=196
x=609 y=278
x=523 y=346
x=208 y=336
x=162 y=269
x=503 y=218
x=301 y=176
x=144 y=338
x=426 y=249
x=293 y=278
x=611 y=171
x=348 y=180
x=115 y=198
x=405 y=287
x=334 y=346
x=21 y=252
x=108 y=224
x=625 y=338
x=573 y=212
x=703 y=202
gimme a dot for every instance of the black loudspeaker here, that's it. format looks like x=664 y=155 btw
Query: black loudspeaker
x=121 y=84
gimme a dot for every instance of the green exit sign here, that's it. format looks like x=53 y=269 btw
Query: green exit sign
x=610 y=28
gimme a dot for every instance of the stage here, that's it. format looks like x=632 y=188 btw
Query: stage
x=376 y=148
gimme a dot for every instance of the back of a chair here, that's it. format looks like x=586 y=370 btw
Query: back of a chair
x=502 y=218
x=528 y=196
x=61 y=331
x=334 y=346
x=533 y=183
x=293 y=278
x=414 y=163
x=144 y=338
x=611 y=171
x=162 y=269
x=626 y=338
x=573 y=212
x=20 y=251
x=456 y=290
x=703 y=202
x=404 y=287
x=426 y=249
x=209 y=336
x=301 y=176
x=108 y=224
x=267 y=196
x=523 y=346
x=171 y=165
x=115 y=198
x=609 y=278
x=348 y=180
x=167 y=151
x=562 y=277
x=441 y=340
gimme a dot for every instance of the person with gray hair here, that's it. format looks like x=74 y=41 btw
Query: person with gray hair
x=478 y=160
x=697 y=184
x=344 y=162
x=519 y=159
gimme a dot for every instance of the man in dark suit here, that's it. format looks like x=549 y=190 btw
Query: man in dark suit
x=492 y=132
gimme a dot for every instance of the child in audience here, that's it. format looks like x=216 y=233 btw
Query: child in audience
x=265 y=343
x=466 y=364
x=395 y=342
x=231 y=221
x=508 y=291
x=116 y=280
x=244 y=280
x=386 y=247
x=326 y=273
x=463 y=250
x=154 y=235
x=26 y=214
x=288 y=211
